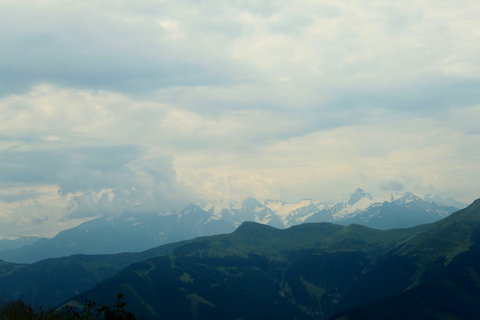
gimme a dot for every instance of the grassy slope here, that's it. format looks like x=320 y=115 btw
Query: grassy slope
x=305 y=271
x=451 y=289
x=309 y=271
x=49 y=282
x=7 y=267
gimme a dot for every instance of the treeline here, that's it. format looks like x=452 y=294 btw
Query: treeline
x=19 y=310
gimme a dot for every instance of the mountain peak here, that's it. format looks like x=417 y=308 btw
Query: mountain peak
x=251 y=203
x=476 y=203
x=470 y=213
x=407 y=198
x=357 y=195
x=191 y=208
x=250 y=228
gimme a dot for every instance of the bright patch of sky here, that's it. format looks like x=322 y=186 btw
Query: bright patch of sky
x=112 y=106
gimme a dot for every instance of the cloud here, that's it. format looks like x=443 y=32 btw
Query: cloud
x=391 y=185
x=95 y=168
x=51 y=115
x=429 y=156
x=274 y=99
x=97 y=180
x=49 y=165
x=90 y=50
x=148 y=46
x=421 y=97
x=33 y=210
x=76 y=138
x=142 y=185
x=21 y=194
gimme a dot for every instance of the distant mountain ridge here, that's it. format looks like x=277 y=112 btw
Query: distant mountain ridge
x=125 y=233
x=141 y=231
x=400 y=211
x=405 y=211
x=308 y=271
x=312 y=271
x=7 y=244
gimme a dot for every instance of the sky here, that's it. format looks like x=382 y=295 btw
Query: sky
x=143 y=106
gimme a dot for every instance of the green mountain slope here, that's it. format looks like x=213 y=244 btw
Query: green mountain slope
x=447 y=237
x=310 y=271
x=7 y=267
x=452 y=293
x=307 y=271
x=450 y=289
x=49 y=282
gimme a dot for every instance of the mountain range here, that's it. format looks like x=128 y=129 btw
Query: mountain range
x=140 y=231
x=307 y=271
x=7 y=244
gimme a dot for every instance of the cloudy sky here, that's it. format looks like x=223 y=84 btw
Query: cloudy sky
x=107 y=106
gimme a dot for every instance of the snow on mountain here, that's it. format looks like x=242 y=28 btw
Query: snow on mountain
x=237 y=212
x=273 y=212
x=406 y=211
x=294 y=213
x=220 y=207
x=359 y=200
x=139 y=231
x=441 y=200
x=279 y=213
x=359 y=195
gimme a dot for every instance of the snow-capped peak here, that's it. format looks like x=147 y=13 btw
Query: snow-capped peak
x=296 y=212
x=217 y=207
x=408 y=197
x=358 y=195
x=281 y=213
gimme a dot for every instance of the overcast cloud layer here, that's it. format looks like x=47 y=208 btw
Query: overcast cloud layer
x=112 y=106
